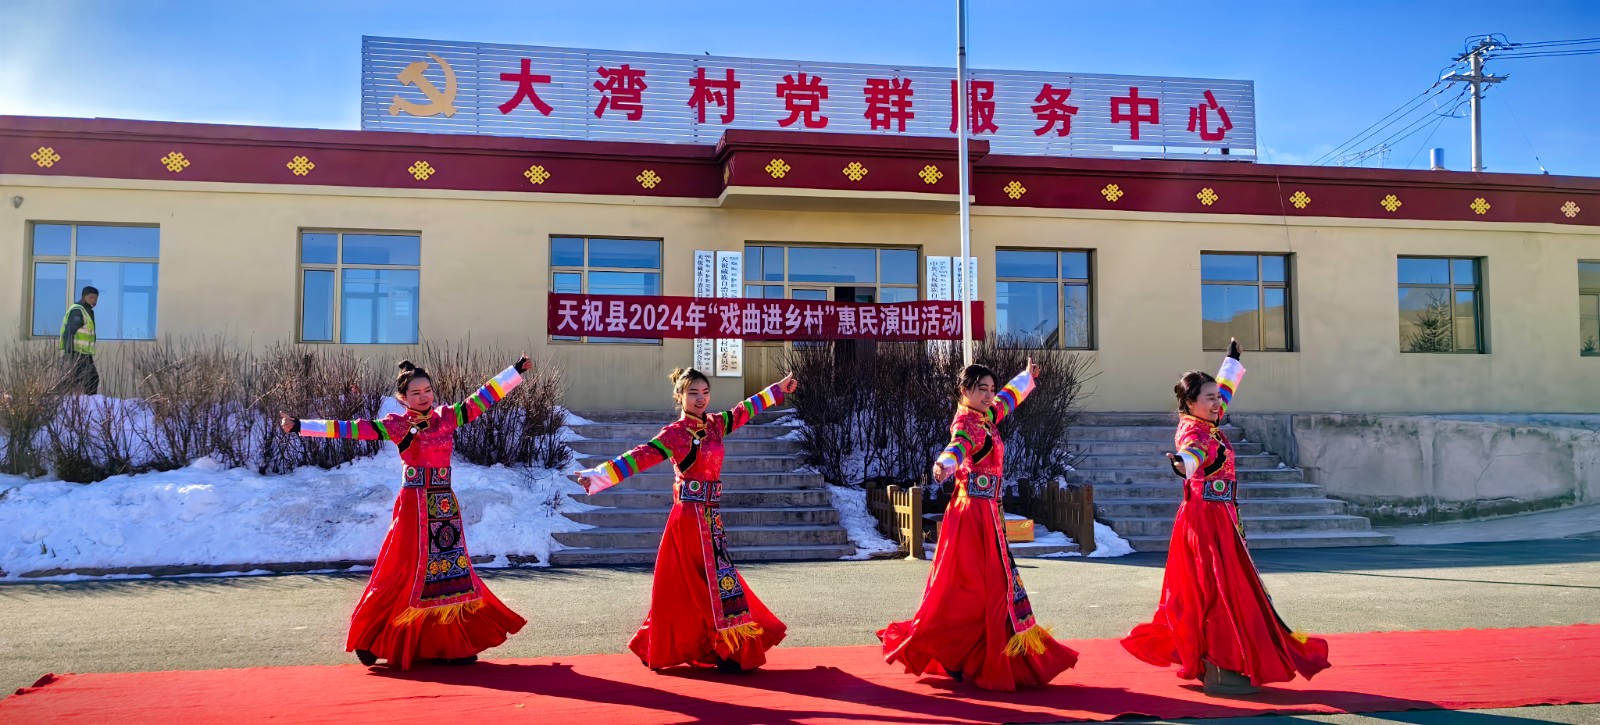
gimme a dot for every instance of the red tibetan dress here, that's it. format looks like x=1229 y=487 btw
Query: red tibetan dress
x=1213 y=604
x=702 y=612
x=424 y=600
x=975 y=620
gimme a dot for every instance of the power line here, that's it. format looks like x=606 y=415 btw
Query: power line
x=1412 y=128
x=1525 y=138
x=1550 y=54
x=1540 y=43
x=1436 y=125
x=1405 y=109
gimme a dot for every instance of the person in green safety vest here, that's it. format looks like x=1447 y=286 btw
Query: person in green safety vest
x=77 y=343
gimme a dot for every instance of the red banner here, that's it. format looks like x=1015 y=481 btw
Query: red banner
x=756 y=319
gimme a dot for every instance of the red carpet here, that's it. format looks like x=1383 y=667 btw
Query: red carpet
x=1372 y=672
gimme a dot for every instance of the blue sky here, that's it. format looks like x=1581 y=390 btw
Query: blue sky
x=1324 y=71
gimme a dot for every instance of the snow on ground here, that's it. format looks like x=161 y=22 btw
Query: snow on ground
x=208 y=515
x=1108 y=544
x=862 y=526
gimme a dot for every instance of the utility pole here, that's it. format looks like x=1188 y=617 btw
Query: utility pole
x=1478 y=79
x=965 y=185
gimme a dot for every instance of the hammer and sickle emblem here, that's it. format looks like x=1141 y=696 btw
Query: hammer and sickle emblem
x=438 y=102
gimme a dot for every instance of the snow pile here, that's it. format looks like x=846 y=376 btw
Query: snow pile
x=1108 y=544
x=206 y=514
x=863 y=528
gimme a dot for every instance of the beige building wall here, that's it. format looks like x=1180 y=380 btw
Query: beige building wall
x=229 y=266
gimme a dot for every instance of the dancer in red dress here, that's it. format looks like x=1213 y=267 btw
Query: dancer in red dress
x=1215 y=619
x=424 y=600
x=702 y=612
x=975 y=622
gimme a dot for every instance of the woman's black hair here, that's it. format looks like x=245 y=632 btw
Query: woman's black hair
x=408 y=373
x=682 y=378
x=972 y=376
x=1189 y=386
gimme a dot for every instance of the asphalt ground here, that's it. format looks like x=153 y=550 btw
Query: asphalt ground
x=224 y=622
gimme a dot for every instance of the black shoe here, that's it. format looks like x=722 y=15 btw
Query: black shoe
x=729 y=667
x=955 y=675
x=1219 y=681
x=469 y=659
x=367 y=658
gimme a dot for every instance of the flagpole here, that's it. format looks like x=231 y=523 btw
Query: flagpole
x=963 y=122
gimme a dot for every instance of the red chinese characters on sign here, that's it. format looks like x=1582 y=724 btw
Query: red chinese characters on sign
x=888 y=102
x=1052 y=109
x=1200 y=119
x=624 y=87
x=980 y=106
x=710 y=91
x=525 y=89
x=803 y=98
x=574 y=315
x=1127 y=109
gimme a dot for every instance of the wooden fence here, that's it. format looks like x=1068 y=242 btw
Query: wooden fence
x=900 y=510
x=1068 y=509
x=899 y=514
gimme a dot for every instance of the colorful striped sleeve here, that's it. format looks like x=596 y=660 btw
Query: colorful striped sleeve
x=612 y=472
x=1228 y=380
x=492 y=392
x=745 y=412
x=361 y=430
x=1016 y=391
x=963 y=441
x=1193 y=454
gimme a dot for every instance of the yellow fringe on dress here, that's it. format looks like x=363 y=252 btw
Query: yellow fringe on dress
x=445 y=614
x=1298 y=636
x=1030 y=640
x=733 y=637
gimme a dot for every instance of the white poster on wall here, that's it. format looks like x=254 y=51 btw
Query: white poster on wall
x=945 y=277
x=730 y=284
x=705 y=286
x=938 y=278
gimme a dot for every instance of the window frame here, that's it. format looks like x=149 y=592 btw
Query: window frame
x=1582 y=293
x=1262 y=285
x=337 y=267
x=789 y=287
x=1061 y=298
x=583 y=271
x=71 y=260
x=1479 y=308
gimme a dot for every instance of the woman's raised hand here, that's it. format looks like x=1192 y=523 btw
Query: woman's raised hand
x=788 y=384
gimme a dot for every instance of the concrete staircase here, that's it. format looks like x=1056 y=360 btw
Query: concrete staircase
x=770 y=511
x=1135 y=492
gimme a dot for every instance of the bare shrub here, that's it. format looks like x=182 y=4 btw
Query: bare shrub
x=94 y=438
x=195 y=391
x=32 y=380
x=522 y=430
x=883 y=413
x=311 y=382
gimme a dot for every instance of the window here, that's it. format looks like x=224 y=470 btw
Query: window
x=1043 y=298
x=604 y=266
x=1245 y=297
x=816 y=273
x=359 y=288
x=120 y=261
x=1441 y=305
x=1589 y=308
